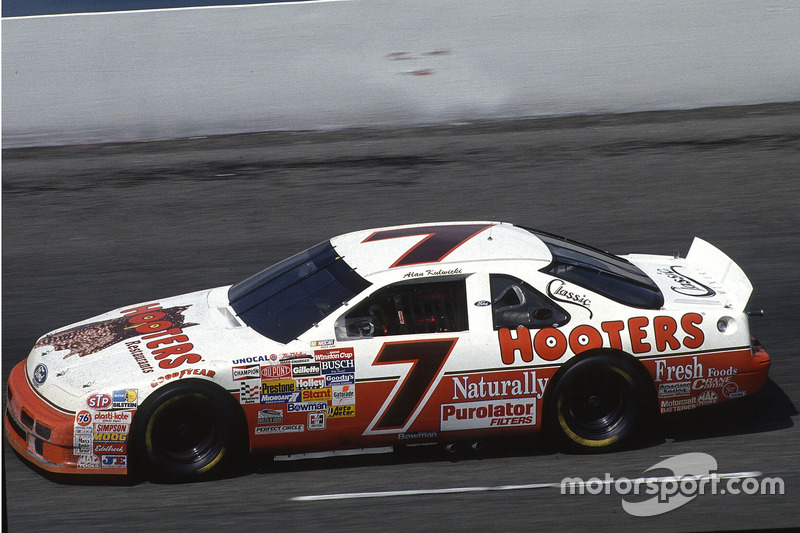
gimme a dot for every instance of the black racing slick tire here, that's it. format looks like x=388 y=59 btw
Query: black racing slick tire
x=599 y=404
x=189 y=431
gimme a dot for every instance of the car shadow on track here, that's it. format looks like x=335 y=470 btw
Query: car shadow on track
x=769 y=410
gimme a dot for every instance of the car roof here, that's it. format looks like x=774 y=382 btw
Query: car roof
x=418 y=246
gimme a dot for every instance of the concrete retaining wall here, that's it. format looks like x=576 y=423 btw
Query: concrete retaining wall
x=313 y=65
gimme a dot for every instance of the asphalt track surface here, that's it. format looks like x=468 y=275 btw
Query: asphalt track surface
x=90 y=228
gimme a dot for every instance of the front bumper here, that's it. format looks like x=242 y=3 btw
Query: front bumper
x=43 y=434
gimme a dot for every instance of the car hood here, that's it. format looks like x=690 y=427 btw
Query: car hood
x=130 y=348
x=705 y=277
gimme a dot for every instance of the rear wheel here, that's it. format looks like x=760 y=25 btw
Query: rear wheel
x=187 y=432
x=599 y=404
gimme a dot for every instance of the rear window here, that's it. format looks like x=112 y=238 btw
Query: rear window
x=289 y=297
x=609 y=275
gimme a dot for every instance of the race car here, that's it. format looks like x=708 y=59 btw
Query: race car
x=426 y=333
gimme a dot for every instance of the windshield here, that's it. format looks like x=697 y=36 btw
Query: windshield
x=604 y=273
x=289 y=297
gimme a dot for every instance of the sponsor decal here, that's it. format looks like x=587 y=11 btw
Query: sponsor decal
x=270 y=416
x=559 y=292
x=333 y=354
x=139 y=356
x=342 y=366
x=483 y=303
x=125 y=399
x=682 y=404
x=287 y=397
x=671 y=390
x=106 y=427
x=114 y=461
x=249 y=391
x=295 y=356
x=162 y=328
x=707 y=398
x=278 y=386
x=685 y=285
x=115 y=448
x=271 y=372
x=110 y=437
x=417 y=435
x=662 y=334
x=83 y=418
x=486 y=414
x=120 y=417
x=245 y=372
x=472 y=387
x=316 y=395
x=710 y=383
x=314 y=382
x=343 y=395
x=183 y=373
x=293 y=428
x=82 y=442
x=255 y=359
x=326 y=342
x=306 y=407
x=305 y=369
x=340 y=379
x=39 y=374
x=99 y=401
x=704 y=378
x=341 y=411
x=88 y=461
x=316 y=420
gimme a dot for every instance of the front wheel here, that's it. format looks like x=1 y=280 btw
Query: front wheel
x=186 y=432
x=599 y=404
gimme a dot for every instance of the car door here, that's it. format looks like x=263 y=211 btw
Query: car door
x=405 y=337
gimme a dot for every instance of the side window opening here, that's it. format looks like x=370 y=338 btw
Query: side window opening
x=408 y=309
x=515 y=303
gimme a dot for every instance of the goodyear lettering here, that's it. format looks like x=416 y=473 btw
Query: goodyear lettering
x=183 y=373
x=662 y=334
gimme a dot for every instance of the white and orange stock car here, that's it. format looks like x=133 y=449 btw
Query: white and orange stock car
x=415 y=334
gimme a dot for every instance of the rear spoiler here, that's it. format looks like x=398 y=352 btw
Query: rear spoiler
x=734 y=287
